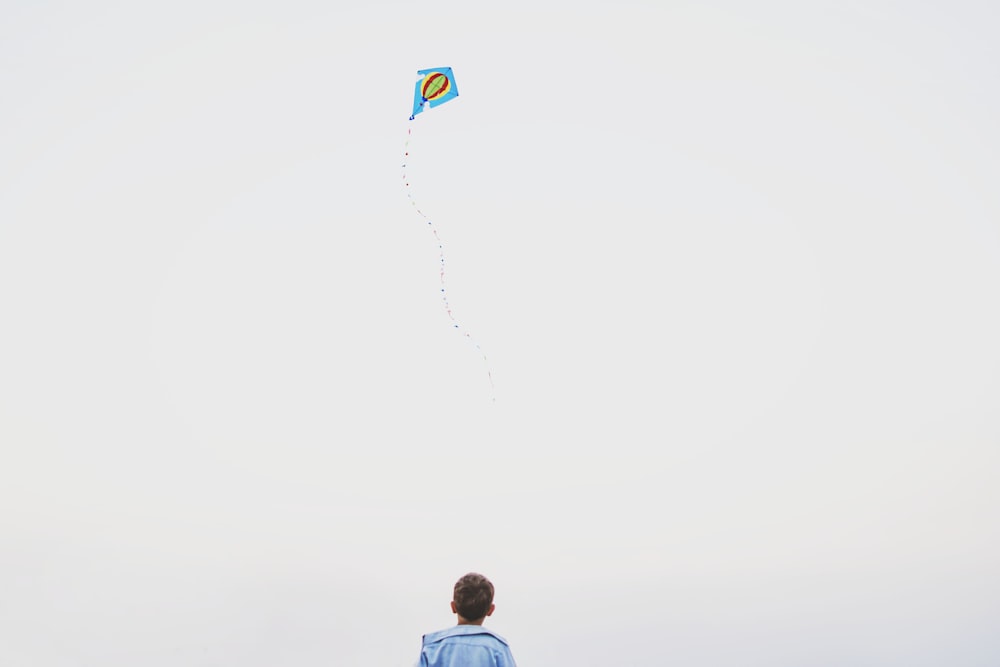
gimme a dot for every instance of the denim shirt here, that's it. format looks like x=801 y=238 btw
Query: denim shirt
x=465 y=646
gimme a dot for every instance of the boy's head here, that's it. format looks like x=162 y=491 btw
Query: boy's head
x=473 y=599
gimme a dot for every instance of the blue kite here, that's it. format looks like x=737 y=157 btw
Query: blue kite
x=435 y=86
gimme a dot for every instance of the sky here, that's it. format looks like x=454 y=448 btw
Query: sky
x=734 y=268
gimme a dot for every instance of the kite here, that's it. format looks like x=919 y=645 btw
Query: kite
x=434 y=87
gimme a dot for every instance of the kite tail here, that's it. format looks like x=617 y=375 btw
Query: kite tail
x=444 y=292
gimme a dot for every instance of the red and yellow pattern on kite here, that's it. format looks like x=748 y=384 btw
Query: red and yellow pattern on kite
x=435 y=86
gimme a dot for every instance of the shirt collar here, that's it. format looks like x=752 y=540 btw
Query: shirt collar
x=461 y=630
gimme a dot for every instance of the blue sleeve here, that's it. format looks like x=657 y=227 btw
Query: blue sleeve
x=504 y=658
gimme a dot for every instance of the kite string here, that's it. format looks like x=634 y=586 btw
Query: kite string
x=441 y=263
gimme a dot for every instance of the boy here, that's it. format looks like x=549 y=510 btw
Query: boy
x=468 y=644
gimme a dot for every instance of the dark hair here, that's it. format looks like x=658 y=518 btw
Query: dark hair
x=473 y=596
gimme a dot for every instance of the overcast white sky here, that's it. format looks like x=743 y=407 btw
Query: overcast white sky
x=736 y=267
